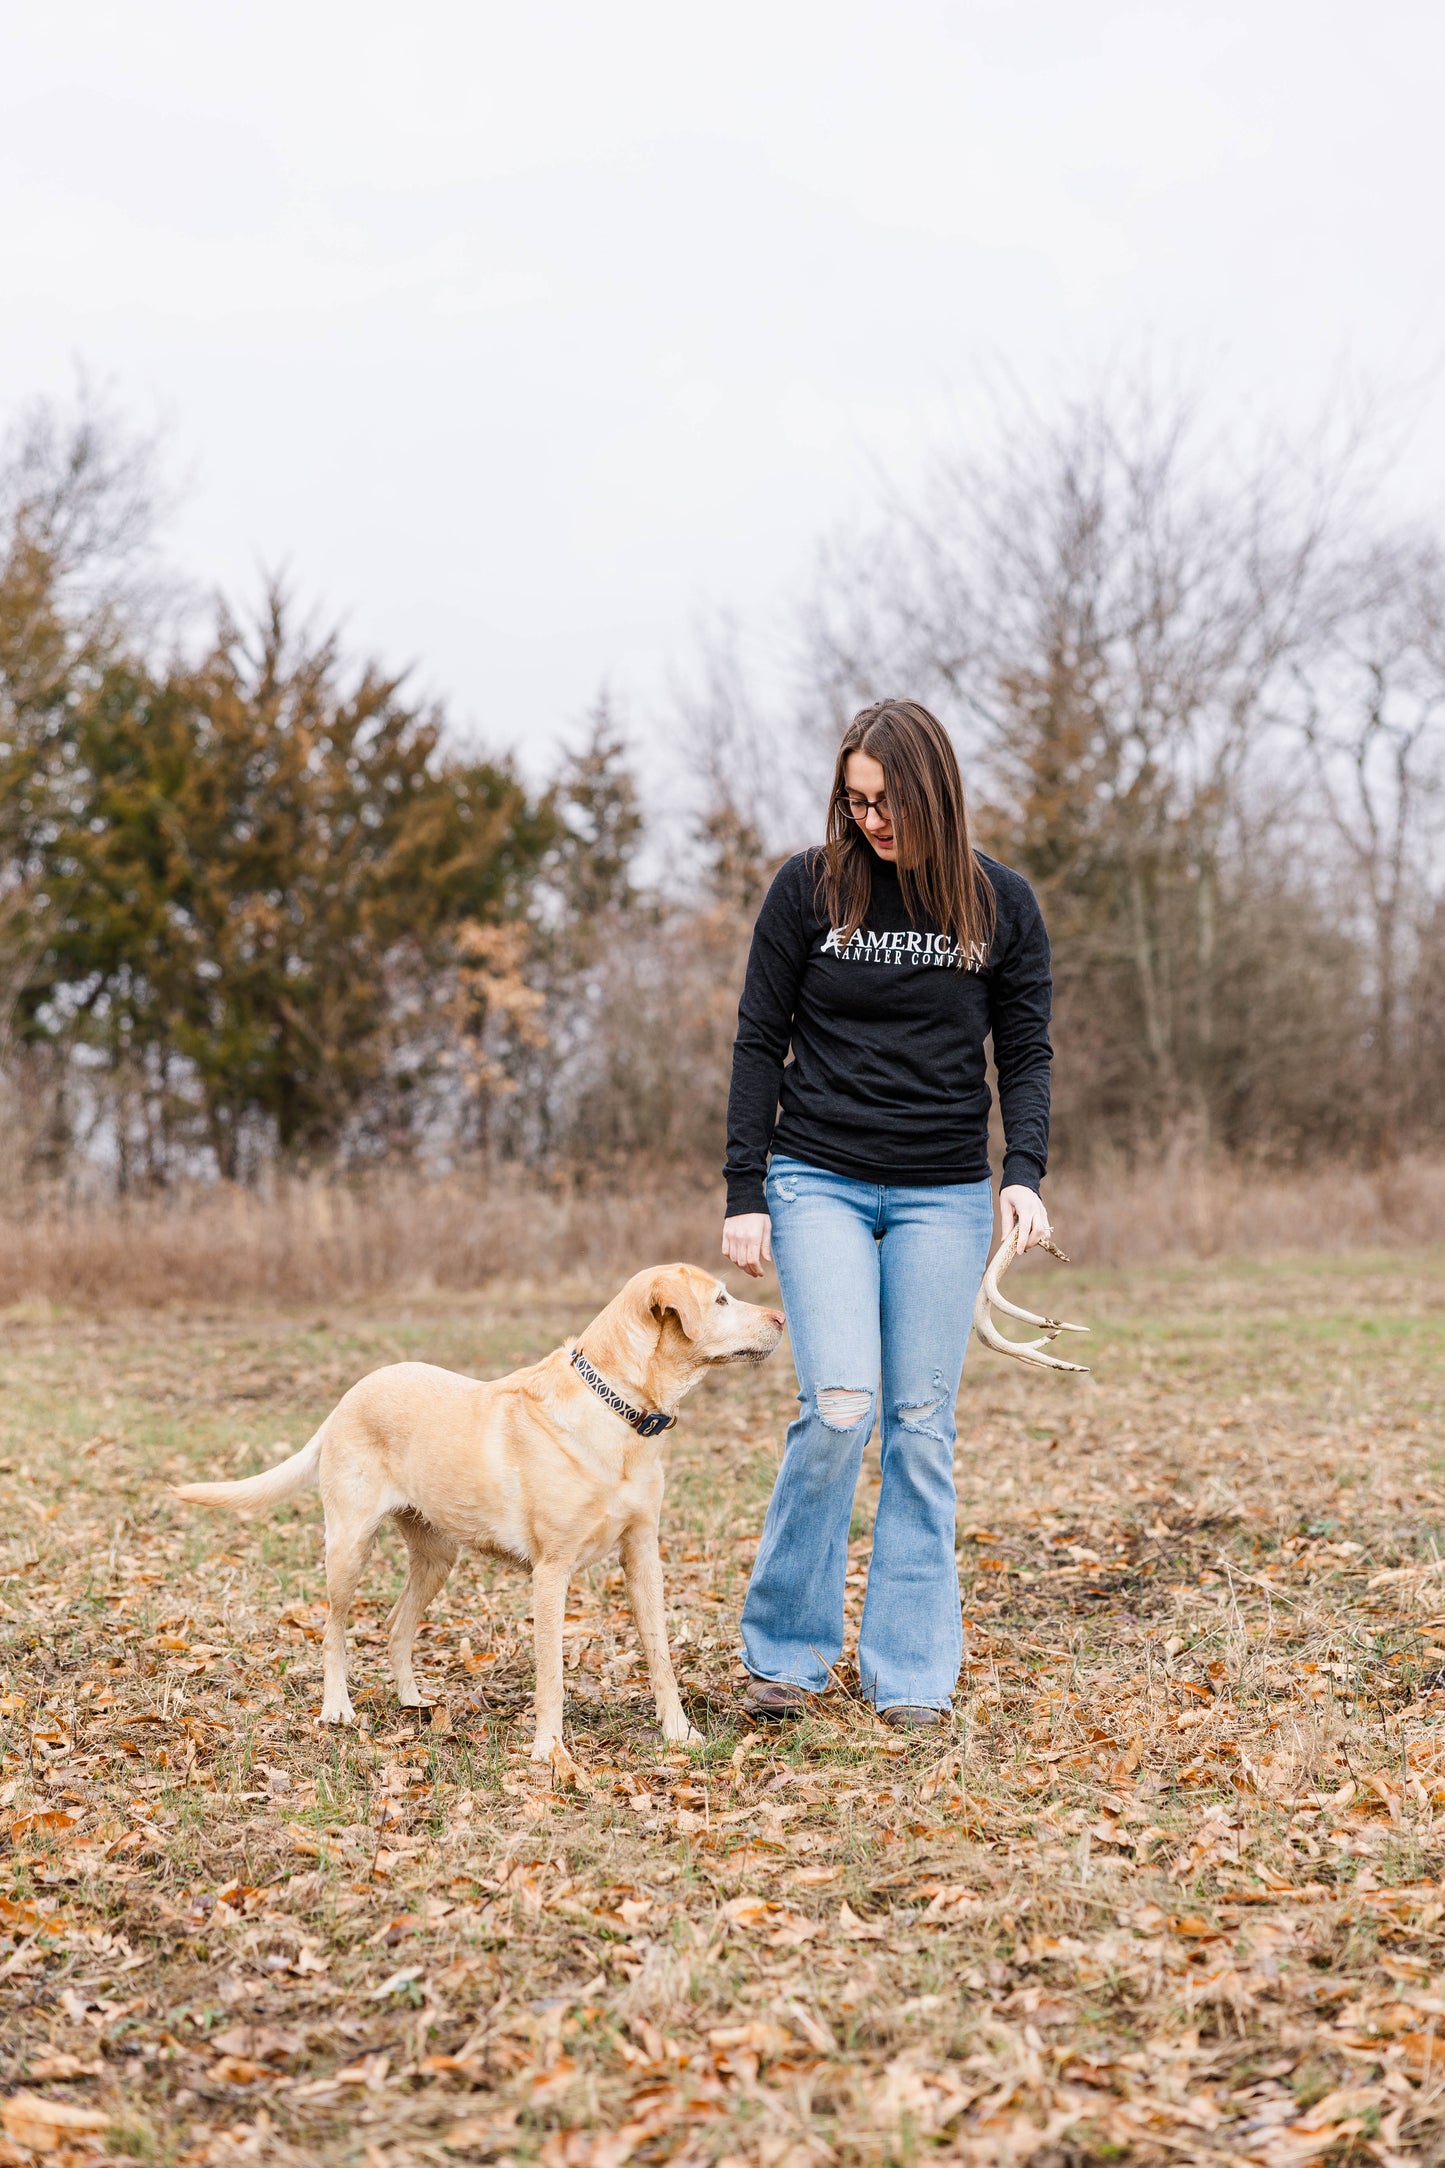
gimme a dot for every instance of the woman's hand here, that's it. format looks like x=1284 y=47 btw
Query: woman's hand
x=1024 y=1209
x=748 y=1242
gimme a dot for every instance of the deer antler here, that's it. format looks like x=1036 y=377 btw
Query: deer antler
x=1033 y=1352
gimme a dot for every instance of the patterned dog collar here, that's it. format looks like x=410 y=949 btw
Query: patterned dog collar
x=646 y=1425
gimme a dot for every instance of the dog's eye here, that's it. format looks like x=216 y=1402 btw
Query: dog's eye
x=722 y=1295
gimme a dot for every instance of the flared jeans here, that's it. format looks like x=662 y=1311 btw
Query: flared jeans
x=878 y=1283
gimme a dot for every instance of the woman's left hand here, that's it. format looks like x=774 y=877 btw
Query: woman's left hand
x=1024 y=1209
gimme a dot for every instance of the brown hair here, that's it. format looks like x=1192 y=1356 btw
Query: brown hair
x=938 y=867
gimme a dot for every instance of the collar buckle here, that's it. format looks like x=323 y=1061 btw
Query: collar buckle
x=647 y=1423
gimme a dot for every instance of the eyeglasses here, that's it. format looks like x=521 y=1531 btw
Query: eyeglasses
x=858 y=808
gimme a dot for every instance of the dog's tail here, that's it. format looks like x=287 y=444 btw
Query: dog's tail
x=256 y=1492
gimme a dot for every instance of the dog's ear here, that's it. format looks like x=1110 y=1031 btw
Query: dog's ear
x=684 y=1291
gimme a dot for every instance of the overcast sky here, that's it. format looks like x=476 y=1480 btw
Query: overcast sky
x=525 y=335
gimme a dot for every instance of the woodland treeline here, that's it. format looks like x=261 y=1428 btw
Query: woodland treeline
x=261 y=909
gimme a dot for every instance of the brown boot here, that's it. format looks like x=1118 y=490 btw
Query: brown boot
x=908 y=1718
x=774 y=1699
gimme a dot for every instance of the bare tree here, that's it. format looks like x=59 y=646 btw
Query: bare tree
x=756 y=780
x=1109 y=604
x=81 y=498
x=1372 y=714
x=78 y=581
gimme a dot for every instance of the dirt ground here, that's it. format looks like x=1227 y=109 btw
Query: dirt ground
x=1169 y=1889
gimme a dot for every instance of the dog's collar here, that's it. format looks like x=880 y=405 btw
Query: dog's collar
x=647 y=1425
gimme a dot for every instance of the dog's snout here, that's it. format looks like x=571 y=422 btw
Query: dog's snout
x=777 y=1318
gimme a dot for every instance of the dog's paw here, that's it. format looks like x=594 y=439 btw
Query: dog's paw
x=683 y=1734
x=566 y=1775
x=340 y=1712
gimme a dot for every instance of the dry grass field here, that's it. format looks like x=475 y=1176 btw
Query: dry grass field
x=1170 y=1890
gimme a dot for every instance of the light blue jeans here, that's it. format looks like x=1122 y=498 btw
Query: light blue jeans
x=879 y=1284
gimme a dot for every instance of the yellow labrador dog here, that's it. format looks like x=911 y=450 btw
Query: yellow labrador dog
x=555 y=1466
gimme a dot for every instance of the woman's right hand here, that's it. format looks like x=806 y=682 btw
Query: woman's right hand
x=748 y=1242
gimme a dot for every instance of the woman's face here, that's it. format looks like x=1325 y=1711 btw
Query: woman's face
x=863 y=778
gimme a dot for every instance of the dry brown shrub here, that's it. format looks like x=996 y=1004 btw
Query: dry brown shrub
x=309 y=1240
x=313 y=1240
x=1195 y=1207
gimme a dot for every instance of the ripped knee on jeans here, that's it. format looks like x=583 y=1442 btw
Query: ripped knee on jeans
x=916 y=1417
x=919 y=1414
x=843 y=1407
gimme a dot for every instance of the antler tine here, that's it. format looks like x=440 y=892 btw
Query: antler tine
x=1032 y=1352
x=1051 y=1325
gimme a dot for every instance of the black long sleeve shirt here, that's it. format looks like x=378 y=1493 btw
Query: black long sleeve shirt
x=887 y=1082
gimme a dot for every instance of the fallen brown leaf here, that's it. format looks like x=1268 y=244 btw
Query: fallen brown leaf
x=58 y=2064
x=858 y=1930
x=46 y=2125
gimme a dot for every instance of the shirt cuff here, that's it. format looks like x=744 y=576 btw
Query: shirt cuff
x=745 y=1194
x=1022 y=1168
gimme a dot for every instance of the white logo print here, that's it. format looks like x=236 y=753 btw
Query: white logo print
x=912 y=948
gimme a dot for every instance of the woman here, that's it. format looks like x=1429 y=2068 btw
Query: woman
x=884 y=960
